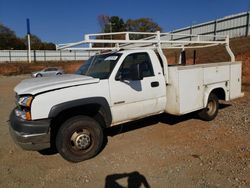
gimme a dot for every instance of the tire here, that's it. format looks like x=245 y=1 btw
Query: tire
x=58 y=74
x=79 y=138
x=211 y=110
x=39 y=75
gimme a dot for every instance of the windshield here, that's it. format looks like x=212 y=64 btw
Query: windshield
x=83 y=68
x=99 y=66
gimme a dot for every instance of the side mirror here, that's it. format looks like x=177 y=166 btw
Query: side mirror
x=136 y=73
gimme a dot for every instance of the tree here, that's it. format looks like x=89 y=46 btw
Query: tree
x=103 y=22
x=49 y=46
x=111 y=24
x=37 y=44
x=9 y=41
x=116 y=24
x=142 y=25
x=6 y=30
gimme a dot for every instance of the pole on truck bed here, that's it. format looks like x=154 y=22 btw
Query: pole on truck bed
x=230 y=52
x=163 y=57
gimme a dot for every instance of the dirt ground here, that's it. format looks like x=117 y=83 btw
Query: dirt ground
x=160 y=151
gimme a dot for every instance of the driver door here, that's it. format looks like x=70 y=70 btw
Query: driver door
x=133 y=99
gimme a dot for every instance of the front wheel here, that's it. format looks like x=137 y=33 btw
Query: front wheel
x=211 y=110
x=79 y=138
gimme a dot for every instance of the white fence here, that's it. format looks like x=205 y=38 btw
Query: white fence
x=43 y=55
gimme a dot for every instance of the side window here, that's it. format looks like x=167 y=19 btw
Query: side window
x=50 y=69
x=142 y=59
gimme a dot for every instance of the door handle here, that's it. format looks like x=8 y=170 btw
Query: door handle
x=119 y=102
x=154 y=84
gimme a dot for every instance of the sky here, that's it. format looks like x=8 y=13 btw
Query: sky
x=61 y=21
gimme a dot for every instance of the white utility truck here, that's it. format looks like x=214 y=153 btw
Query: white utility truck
x=130 y=81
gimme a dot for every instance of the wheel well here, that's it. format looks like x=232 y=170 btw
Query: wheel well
x=92 y=110
x=220 y=93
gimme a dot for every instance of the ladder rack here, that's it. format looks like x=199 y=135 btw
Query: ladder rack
x=149 y=40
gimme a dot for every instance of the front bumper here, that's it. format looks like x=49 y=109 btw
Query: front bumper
x=30 y=135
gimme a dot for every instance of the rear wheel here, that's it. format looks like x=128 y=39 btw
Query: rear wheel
x=211 y=110
x=79 y=138
x=39 y=75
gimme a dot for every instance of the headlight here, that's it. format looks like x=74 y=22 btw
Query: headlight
x=25 y=101
x=23 y=107
x=23 y=114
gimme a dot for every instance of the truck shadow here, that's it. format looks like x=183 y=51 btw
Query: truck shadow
x=223 y=105
x=169 y=120
x=145 y=122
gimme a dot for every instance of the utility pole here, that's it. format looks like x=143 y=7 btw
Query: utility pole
x=28 y=37
x=110 y=29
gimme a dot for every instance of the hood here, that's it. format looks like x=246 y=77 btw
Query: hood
x=37 y=85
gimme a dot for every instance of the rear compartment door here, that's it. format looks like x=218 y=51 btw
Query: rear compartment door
x=235 y=81
x=191 y=89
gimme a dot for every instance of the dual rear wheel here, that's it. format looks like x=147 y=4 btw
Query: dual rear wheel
x=211 y=110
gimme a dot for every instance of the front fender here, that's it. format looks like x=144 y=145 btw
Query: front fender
x=105 y=109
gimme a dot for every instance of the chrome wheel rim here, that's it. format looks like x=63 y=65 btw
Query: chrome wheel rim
x=211 y=108
x=81 y=140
